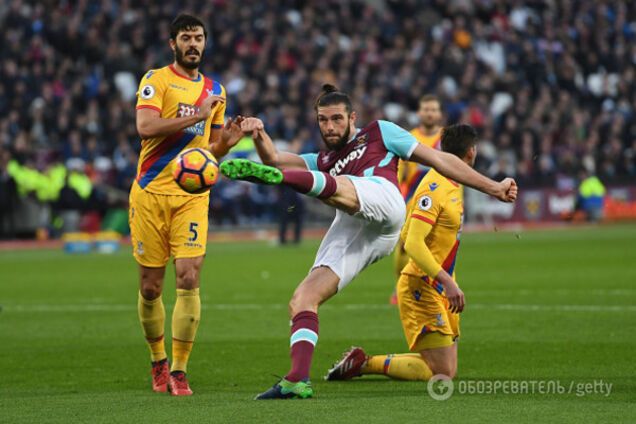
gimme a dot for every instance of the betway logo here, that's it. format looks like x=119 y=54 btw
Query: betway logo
x=339 y=166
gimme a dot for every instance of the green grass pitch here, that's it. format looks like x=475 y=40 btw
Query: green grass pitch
x=548 y=305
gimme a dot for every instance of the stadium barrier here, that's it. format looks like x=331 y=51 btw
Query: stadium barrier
x=546 y=205
x=101 y=242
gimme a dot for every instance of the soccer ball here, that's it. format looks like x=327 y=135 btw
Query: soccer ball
x=195 y=170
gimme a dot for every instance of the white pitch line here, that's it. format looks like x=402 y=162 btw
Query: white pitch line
x=112 y=307
x=555 y=292
x=564 y=308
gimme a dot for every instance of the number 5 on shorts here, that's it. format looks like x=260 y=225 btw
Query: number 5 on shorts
x=193 y=230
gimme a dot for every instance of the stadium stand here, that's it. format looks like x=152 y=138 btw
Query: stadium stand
x=550 y=85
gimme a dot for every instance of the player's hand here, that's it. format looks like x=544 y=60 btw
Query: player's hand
x=507 y=190
x=455 y=297
x=205 y=109
x=232 y=132
x=252 y=126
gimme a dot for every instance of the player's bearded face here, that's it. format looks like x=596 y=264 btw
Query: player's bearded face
x=190 y=59
x=336 y=141
x=188 y=48
x=335 y=126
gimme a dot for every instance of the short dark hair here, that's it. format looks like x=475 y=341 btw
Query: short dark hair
x=330 y=96
x=430 y=98
x=185 y=22
x=458 y=139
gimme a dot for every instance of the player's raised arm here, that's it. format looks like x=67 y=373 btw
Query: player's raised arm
x=266 y=149
x=453 y=167
x=402 y=143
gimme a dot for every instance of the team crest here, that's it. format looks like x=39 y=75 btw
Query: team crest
x=147 y=92
x=425 y=203
x=361 y=140
x=211 y=92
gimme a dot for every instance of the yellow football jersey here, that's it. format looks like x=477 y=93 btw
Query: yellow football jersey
x=411 y=173
x=174 y=95
x=439 y=202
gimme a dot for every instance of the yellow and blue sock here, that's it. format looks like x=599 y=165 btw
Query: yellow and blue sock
x=185 y=321
x=152 y=316
x=405 y=366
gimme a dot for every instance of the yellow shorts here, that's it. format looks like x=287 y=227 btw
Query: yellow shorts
x=162 y=225
x=423 y=312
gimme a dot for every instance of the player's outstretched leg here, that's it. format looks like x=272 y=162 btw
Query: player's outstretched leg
x=403 y=366
x=355 y=363
x=310 y=183
x=349 y=366
x=243 y=169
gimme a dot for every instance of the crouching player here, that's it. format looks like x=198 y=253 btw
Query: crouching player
x=428 y=296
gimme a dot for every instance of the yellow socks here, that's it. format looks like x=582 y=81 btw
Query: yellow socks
x=405 y=366
x=152 y=316
x=185 y=321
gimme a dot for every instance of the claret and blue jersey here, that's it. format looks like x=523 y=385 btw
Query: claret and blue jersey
x=373 y=151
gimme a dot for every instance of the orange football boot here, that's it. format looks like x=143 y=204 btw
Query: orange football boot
x=178 y=384
x=160 y=375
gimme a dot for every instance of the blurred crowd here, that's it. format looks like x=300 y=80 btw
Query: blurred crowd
x=549 y=84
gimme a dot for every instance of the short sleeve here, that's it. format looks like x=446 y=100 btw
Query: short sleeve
x=311 y=160
x=397 y=140
x=218 y=119
x=151 y=90
x=427 y=203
